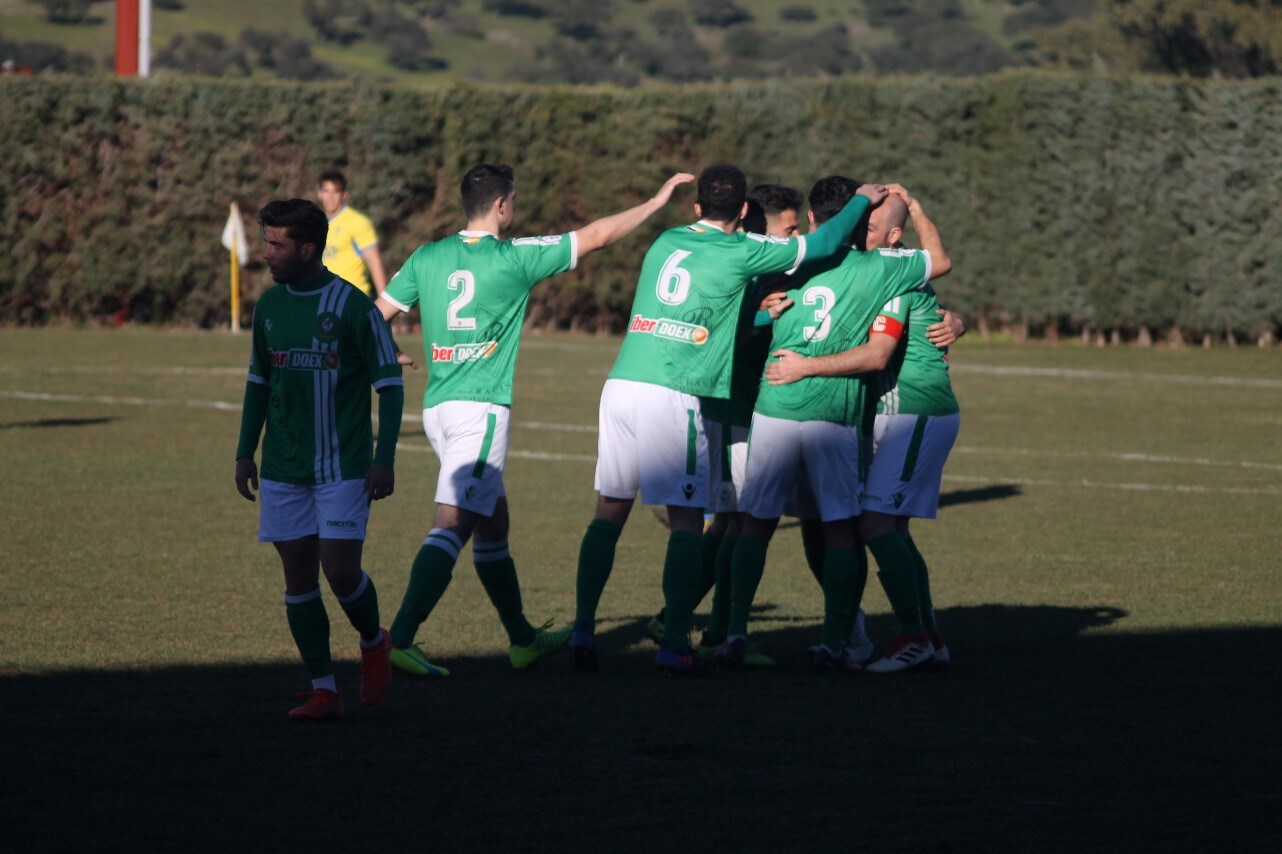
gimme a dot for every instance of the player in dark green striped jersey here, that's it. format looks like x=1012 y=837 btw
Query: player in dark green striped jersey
x=677 y=350
x=916 y=425
x=812 y=427
x=318 y=345
x=472 y=289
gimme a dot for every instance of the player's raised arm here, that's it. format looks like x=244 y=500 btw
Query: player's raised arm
x=940 y=263
x=607 y=230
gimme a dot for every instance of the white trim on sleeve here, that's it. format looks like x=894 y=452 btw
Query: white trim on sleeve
x=801 y=254
x=574 y=249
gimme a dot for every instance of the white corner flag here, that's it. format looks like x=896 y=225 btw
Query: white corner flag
x=234 y=240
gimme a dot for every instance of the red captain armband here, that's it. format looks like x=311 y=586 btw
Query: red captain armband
x=888 y=326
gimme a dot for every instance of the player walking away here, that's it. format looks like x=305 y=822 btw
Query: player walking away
x=472 y=290
x=917 y=422
x=678 y=349
x=812 y=427
x=773 y=210
x=318 y=344
x=352 y=246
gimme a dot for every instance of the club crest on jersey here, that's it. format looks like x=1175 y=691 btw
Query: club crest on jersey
x=673 y=330
x=304 y=360
x=328 y=327
x=464 y=352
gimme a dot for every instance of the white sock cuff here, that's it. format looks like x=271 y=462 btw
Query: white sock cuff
x=357 y=593
x=446 y=541
x=302 y=598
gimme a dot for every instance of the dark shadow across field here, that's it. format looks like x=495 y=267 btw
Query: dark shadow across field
x=1039 y=738
x=44 y=423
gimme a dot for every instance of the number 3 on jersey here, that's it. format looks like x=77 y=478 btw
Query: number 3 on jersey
x=460 y=280
x=824 y=299
x=674 y=282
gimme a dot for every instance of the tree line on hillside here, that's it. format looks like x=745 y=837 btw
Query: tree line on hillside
x=707 y=40
x=1124 y=207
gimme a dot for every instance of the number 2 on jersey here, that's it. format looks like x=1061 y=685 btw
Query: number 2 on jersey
x=674 y=282
x=825 y=299
x=460 y=280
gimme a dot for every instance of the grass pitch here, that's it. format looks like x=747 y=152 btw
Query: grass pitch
x=1104 y=568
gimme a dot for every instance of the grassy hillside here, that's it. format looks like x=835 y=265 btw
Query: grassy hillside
x=624 y=42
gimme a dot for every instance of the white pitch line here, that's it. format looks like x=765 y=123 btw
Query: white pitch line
x=1076 y=374
x=221 y=405
x=1125 y=457
x=106 y=369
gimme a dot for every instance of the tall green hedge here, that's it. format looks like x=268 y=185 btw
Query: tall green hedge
x=1067 y=201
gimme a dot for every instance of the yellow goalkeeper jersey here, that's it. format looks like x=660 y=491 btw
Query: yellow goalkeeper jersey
x=351 y=235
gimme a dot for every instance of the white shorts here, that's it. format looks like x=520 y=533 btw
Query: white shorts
x=331 y=511
x=470 y=439
x=652 y=439
x=908 y=458
x=780 y=452
x=730 y=460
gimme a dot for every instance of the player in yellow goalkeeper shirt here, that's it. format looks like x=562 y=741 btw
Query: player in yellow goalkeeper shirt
x=351 y=250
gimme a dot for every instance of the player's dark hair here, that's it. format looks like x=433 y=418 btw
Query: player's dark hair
x=829 y=195
x=302 y=219
x=775 y=198
x=722 y=190
x=767 y=200
x=333 y=176
x=483 y=184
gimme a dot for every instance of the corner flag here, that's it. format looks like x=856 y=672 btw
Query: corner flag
x=234 y=240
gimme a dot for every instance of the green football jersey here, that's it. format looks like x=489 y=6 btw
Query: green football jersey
x=832 y=312
x=319 y=346
x=916 y=380
x=472 y=289
x=685 y=314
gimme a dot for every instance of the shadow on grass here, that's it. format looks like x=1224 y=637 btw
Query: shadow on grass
x=1046 y=734
x=55 y=422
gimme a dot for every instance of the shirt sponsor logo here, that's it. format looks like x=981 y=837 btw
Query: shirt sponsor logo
x=304 y=360
x=673 y=330
x=464 y=352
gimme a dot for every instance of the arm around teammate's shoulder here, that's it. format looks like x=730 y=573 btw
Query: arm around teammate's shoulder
x=602 y=232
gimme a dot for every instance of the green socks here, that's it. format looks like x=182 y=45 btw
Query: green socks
x=719 y=619
x=747 y=567
x=923 y=588
x=898 y=576
x=361 y=608
x=681 y=570
x=709 y=546
x=596 y=560
x=839 y=579
x=497 y=572
x=309 y=624
x=429 y=576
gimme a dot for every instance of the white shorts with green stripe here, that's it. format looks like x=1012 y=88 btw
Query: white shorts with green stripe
x=728 y=464
x=908 y=458
x=470 y=439
x=781 y=451
x=652 y=439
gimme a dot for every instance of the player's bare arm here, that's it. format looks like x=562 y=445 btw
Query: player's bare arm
x=940 y=263
x=374 y=262
x=950 y=327
x=246 y=476
x=389 y=311
x=866 y=358
x=602 y=232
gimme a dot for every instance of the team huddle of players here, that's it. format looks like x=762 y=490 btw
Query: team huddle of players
x=821 y=348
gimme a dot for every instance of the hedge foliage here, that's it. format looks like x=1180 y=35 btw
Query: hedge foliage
x=1067 y=200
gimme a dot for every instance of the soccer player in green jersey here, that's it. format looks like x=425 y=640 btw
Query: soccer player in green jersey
x=773 y=210
x=678 y=350
x=917 y=422
x=810 y=429
x=472 y=289
x=318 y=345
